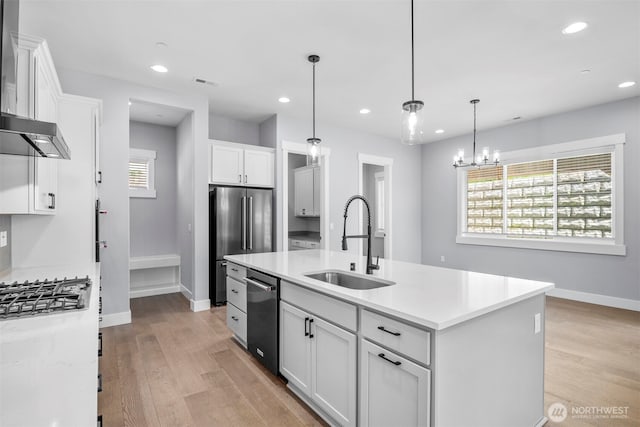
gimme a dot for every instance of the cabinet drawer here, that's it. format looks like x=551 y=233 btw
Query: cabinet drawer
x=236 y=271
x=237 y=293
x=334 y=310
x=398 y=336
x=237 y=322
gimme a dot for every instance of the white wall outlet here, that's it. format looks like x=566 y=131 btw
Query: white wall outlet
x=189 y=228
x=441 y=258
x=537 y=323
x=331 y=226
x=3 y=239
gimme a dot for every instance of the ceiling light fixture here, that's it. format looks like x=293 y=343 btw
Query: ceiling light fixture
x=159 y=68
x=481 y=160
x=365 y=111
x=439 y=130
x=161 y=45
x=284 y=99
x=626 y=84
x=576 y=27
x=313 y=142
x=412 y=111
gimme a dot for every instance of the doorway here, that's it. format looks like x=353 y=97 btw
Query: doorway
x=374 y=183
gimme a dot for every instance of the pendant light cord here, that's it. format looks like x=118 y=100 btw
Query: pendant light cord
x=473 y=159
x=412 y=60
x=314 y=100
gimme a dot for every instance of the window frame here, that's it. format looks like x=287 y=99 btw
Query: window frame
x=611 y=143
x=379 y=177
x=148 y=157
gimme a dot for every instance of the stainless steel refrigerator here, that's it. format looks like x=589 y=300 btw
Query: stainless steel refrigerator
x=240 y=221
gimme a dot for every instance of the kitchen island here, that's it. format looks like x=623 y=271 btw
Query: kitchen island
x=439 y=347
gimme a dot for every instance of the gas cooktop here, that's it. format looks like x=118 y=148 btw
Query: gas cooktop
x=43 y=297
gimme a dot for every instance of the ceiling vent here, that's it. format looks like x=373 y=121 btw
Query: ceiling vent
x=204 y=82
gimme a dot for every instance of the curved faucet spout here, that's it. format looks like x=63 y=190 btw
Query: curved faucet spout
x=370 y=265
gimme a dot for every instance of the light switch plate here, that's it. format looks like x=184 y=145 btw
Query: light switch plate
x=537 y=324
x=3 y=239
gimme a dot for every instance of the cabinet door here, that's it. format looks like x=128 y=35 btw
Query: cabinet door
x=295 y=347
x=45 y=184
x=316 y=191
x=303 y=192
x=14 y=184
x=227 y=165
x=258 y=168
x=393 y=390
x=46 y=105
x=333 y=371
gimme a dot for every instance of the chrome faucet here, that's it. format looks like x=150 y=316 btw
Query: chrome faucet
x=370 y=265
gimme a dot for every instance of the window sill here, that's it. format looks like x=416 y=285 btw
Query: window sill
x=143 y=194
x=543 y=244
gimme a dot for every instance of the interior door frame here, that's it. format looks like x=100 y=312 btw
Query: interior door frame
x=289 y=147
x=387 y=163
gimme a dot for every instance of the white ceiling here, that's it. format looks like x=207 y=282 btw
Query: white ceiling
x=148 y=112
x=510 y=54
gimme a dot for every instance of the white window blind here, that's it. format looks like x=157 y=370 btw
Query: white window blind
x=142 y=173
x=139 y=174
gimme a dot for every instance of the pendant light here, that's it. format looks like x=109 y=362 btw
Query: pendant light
x=412 y=111
x=313 y=142
x=481 y=160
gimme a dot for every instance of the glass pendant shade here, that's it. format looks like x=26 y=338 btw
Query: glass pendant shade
x=412 y=123
x=313 y=151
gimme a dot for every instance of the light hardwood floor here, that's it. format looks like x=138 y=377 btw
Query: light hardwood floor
x=173 y=367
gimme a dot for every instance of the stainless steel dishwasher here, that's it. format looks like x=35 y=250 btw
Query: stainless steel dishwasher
x=262 y=318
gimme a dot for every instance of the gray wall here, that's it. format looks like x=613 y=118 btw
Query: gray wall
x=617 y=276
x=268 y=135
x=113 y=192
x=152 y=221
x=185 y=182
x=5 y=253
x=228 y=129
x=369 y=193
x=345 y=145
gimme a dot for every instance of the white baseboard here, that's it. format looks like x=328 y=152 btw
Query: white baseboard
x=186 y=292
x=200 y=305
x=627 y=304
x=154 y=290
x=115 y=319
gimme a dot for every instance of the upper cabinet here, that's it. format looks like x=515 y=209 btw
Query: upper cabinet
x=240 y=164
x=307 y=191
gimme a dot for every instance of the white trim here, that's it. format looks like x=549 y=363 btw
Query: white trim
x=242 y=146
x=185 y=292
x=154 y=261
x=148 y=156
x=387 y=162
x=624 y=303
x=289 y=147
x=115 y=319
x=169 y=288
x=200 y=305
x=590 y=247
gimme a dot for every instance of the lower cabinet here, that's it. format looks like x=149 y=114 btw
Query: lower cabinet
x=393 y=390
x=319 y=359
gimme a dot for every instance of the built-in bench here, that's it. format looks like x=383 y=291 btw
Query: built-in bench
x=154 y=275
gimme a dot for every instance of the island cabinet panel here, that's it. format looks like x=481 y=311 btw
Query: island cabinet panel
x=295 y=347
x=393 y=390
x=406 y=339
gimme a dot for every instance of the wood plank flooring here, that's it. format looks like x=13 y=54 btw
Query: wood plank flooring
x=173 y=367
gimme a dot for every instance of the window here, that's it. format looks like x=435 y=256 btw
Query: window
x=564 y=197
x=379 y=207
x=142 y=173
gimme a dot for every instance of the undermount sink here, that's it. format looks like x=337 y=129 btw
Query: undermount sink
x=348 y=280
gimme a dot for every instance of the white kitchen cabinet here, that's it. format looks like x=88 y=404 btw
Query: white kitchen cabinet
x=239 y=164
x=45 y=185
x=319 y=360
x=307 y=191
x=393 y=390
x=237 y=302
x=46 y=97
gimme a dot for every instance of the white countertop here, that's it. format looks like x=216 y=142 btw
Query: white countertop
x=48 y=363
x=430 y=296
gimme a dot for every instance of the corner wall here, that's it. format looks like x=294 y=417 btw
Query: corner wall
x=608 y=275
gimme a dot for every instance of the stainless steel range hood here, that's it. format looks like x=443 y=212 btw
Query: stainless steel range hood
x=21 y=136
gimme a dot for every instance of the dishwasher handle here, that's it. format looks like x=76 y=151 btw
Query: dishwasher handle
x=265 y=288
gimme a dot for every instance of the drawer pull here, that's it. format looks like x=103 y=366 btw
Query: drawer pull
x=306 y=332
x=383 y=329
x=310 y=322
x=234 y=291
x=397 y=363
x=99 y=383
x=234 y=269
x=99 y=344
x=234 y=318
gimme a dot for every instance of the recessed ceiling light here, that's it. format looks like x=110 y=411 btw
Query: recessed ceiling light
x=626 y=84
x=585 y=71
x=129 y=103
x=576 y=27
x=440 y=131
x=284 y=99
x=159 y=68
x=365 y=111
x=516 y=118
x=161 y=45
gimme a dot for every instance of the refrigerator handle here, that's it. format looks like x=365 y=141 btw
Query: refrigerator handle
x=250 y=220
x=244 y=223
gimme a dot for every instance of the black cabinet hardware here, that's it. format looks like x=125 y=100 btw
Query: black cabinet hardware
x=389 y=360
x=99 y=344
x=99 y=383
x=53 y=201
x=310 y=322
x=99 y=177
x=306 y=332
x=234 y=291
x=234 y=318
x=382 y=328
x=99 y=420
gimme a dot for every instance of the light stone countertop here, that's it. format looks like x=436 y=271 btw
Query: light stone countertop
x=430 y=296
